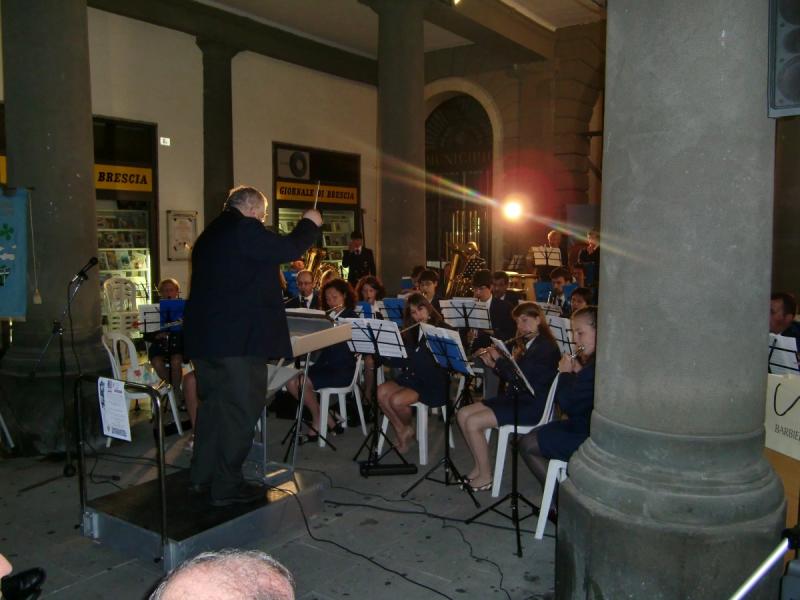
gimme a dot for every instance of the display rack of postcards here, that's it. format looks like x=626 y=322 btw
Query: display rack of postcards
x=124 y=248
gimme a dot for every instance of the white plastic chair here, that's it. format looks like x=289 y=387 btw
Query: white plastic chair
x=422 y=430
x=504 y=431
x=114 y=342
x=119 y=298
x=556 y=473
x=341 y=392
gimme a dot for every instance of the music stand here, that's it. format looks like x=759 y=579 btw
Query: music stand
x=514 y=496
x=318 y=333
x=782 y=355
x=381 y=338
x=445 y=345
x=365 y=310
x=562 y=331
x=465 y=314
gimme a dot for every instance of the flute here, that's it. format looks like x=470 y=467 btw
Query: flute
x=578 y=350
x=410 y=327
x=483 y=351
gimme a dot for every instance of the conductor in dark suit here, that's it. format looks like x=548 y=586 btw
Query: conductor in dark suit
x=358 y=259
x=233 y=323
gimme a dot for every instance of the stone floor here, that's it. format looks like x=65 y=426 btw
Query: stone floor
x=368 y=542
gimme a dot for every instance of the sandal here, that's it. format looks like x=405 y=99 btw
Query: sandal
x=481 y=488
x=307 y=438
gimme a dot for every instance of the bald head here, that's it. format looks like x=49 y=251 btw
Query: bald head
x=228 y=575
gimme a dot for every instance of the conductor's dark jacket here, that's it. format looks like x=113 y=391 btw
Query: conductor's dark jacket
x=235 y=306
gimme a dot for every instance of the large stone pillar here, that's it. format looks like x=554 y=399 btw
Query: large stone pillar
x=50 y=148
x=401 y=138
x=670 y=497
x=217 y=126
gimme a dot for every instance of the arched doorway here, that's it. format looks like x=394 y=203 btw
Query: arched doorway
x=458 y=149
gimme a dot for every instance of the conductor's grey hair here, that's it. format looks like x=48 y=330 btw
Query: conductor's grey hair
x=245 y=197
x=237 y=574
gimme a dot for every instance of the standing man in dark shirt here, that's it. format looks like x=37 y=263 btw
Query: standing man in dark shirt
x=358 y=259
x=233 y=324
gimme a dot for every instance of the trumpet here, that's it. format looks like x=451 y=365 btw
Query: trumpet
x=524 y=336
x=579 y=350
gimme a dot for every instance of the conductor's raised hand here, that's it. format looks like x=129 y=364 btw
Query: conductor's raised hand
x=314 y=215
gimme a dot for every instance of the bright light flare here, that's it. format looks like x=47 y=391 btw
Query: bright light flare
x=512 y=210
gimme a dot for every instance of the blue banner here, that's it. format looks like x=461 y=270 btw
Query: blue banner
x=13 y=254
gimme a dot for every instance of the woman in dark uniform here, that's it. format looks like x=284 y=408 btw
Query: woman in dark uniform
x=575 y=398
x=335 y=365
x=421 y=380
x=537 y=356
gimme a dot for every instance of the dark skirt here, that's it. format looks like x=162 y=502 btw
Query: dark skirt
x=560 y=439
x=324 y=376
x=430 y=393
x=530 y=412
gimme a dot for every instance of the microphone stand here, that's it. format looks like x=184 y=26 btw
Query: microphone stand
x=58 y=330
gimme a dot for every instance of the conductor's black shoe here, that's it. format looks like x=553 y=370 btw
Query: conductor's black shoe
x=244 y=494
x=23 y=586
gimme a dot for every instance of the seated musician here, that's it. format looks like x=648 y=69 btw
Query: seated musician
x=559 y=279
x=166 y=348
x=370 y=289
x=581 y=297
x=428 y=284
x=500 y=289
x=782 y=312
x=307 y=296
x=574 y=397
x=537 y=356
x=421 y=380
x=503 y=326
x=335 y=365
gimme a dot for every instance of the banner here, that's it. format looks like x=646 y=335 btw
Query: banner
x=13 y=254
x=121 y=177
x=782 y=415
x=305 y=192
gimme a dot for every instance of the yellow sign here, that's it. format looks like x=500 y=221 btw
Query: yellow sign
x=109 y=177
x=116 y=177
x=305 y=192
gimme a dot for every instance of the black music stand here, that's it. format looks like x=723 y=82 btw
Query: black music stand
x=465 y=314
x=380 y=338
x=445 y=345
x=513 y=496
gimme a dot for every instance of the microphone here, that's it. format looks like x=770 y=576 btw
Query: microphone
x=82 y=274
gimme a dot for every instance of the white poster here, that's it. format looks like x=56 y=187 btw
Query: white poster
x=782 y=415
x=114 y=408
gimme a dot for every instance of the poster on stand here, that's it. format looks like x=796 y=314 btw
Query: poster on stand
x=13 y=253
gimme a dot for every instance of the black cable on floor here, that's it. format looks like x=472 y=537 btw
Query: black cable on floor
x=354 y=552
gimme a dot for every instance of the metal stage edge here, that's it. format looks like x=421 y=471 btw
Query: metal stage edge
x=128 y=521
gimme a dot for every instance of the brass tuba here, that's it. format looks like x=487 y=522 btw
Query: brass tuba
x=315 y=261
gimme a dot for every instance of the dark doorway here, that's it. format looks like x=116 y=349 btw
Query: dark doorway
x=458 y=149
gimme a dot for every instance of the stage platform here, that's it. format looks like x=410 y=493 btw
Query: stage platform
x=129 y=520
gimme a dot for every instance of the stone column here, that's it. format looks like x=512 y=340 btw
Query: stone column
x=217 y=125
x=670 y=497
x=51 y=149
x=401 y=138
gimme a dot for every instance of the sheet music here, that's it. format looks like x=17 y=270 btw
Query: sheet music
x=465 y=313
x=384 y=332
x=149 y=318
x=562 y=331
x=445 y=345
x=306 y=312
x=782 y=355
x=114 y=408
x=501 y=346
x=545 y=256
x=550 y=309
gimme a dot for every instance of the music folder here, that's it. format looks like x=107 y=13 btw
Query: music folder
x=445 y=345
x=782 y=355
x=304 y=344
